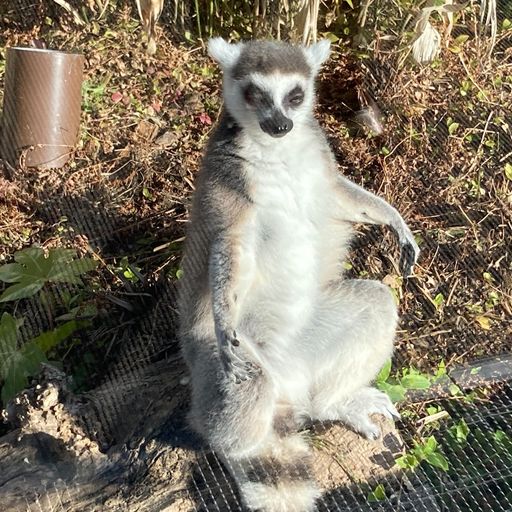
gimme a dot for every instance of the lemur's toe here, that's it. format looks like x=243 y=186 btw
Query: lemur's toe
x=252 y=368
x=371 y=431
x=394 y=413
x=243 y=371
x=239 y=377
x=382 y=404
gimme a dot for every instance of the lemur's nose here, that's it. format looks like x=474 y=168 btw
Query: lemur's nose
x=283 y=128
x=277 y=125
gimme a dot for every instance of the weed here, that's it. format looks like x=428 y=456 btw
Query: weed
x=378 y=494
x=18 y=364
x=508 y=171
x=438 y=301
x=452 y=126
x=427 y=451
x=460 y=432
x=92 y=94
x=406 y=379
x=32 y=270
x=128 y=270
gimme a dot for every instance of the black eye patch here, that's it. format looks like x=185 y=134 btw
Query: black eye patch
x=295 y=97
x=255 y=97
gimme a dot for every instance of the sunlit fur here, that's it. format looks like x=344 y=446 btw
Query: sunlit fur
x=270 y=228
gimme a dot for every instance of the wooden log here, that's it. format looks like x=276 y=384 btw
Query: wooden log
x=126 y=446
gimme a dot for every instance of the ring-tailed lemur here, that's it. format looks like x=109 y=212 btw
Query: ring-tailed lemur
x=271 y=331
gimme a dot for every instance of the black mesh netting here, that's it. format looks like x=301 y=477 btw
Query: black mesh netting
x=105 y=428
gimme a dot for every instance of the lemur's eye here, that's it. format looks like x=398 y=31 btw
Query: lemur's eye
x=297 y=100
x=295 y=97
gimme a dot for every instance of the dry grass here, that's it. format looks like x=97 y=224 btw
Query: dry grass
x=144 y=124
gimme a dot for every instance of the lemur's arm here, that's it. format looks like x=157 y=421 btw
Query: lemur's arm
x=358 y=205
x=224 y=271
x=228 y=271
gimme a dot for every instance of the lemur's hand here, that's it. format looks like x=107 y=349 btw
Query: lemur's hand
x=409 y=250
x=233 y=357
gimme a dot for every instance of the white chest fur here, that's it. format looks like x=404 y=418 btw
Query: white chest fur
x=292 y=204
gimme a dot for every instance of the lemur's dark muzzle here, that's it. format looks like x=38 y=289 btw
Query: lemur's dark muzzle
x=276 y=125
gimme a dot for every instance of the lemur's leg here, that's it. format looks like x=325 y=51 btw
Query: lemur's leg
x=256 y=438
x=355 y=204
x=348 y=342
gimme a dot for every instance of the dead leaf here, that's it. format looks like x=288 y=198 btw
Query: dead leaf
x=393 y=281
x=166 y=139
x=146 y=130
x=205 y=119
x=484 y=322
x=116 y=97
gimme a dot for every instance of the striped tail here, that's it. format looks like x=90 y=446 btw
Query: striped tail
x=278 y=477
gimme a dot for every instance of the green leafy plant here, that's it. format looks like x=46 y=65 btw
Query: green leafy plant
x=438 y=301
x=395 y=391
x=508 y=171
x=33 y=269
x=452 y=126
x=129 y=271
x=30 y=272
x=477 y=451
x=413 y=379
x=378 y=494
x=18 y=363
x=93 y=94
x=426 y=450
x=503 y=441
x=460 y=432
x=406 y=379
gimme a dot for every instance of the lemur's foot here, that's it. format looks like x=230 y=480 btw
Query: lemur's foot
x=356 y=411
x=233 y=358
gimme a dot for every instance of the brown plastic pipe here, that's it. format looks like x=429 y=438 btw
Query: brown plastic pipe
x=41 y=112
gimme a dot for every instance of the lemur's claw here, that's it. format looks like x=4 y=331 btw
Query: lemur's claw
x=252 y=368
x=373 y=435
x=393 y=414
x=242 y=374
x=234 y=362
x=366 y=402
x=408 y=256
x=409 y=250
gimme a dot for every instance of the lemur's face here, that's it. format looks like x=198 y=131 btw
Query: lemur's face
x=269 y=86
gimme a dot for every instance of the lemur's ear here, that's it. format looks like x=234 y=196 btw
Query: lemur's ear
x=317 y=54
x=224 y=53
